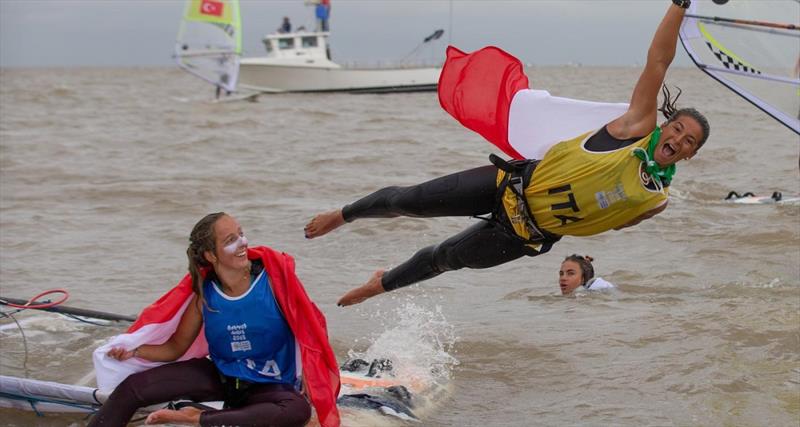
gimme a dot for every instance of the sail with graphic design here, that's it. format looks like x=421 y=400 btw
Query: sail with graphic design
x=753 y=48
x=209 y=41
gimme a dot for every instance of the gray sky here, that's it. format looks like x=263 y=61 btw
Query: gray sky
x=142 y=32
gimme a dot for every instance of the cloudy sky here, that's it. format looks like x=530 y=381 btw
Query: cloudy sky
x=142 y=32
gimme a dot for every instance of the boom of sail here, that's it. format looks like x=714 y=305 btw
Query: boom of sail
x=209 y=41
x=747 y=46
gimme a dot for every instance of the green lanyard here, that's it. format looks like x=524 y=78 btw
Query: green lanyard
x=661 y=175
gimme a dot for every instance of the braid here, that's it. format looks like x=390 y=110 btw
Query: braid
x=201 y=240
x=668 y=104
x=585 y=263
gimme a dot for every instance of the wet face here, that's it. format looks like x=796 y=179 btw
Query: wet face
x=679 y=140
x=230 y=243
x=570 y=276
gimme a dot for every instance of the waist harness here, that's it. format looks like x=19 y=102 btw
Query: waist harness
x=517 y=178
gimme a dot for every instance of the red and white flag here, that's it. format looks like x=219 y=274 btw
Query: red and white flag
x=211 y=7
x=487 y=91
x=155 y=325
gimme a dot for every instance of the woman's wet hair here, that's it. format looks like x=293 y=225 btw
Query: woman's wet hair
x=201 y=239
x=671 y=113
x=585 y=263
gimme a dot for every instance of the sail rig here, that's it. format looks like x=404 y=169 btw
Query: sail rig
x=209 y=41
x=46 y=396
x=748 y=46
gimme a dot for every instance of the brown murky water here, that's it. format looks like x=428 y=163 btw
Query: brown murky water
x=103 y=172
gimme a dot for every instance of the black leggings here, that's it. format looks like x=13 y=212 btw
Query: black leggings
x=467 y=193
x=198 y=380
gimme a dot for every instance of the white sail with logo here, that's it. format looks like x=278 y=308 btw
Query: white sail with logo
x=209 y=41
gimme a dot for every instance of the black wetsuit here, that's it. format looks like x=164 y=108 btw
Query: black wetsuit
x=468 y=193
x=267 y=404
x=471 y=192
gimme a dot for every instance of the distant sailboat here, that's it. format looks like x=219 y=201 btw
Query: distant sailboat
x=209 y=42
x=209 y=47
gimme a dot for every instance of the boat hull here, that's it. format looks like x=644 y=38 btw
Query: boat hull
x=290 y=78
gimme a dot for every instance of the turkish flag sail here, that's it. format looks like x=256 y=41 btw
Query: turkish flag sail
x=209 y=43
x=211 y=7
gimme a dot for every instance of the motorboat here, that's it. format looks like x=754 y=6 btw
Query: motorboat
x=300 y=62
x=209 y=46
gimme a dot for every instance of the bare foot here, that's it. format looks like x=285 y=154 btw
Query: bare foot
x=362 y=293
x=186 y=415
x=324 y=223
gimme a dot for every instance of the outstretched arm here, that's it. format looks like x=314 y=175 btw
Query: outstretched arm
x=640 y=119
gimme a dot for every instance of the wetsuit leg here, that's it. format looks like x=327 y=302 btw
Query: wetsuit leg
x=274 y=405
x=483 y=245
x=466 y=193
x=195 y=379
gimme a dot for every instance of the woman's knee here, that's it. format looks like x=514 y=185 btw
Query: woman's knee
x=298 y=413
x=293 y=412
x=127 y=390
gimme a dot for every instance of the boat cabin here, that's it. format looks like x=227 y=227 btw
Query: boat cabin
x=299 y=48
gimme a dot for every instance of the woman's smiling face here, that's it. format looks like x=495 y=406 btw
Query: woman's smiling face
x=230 y=243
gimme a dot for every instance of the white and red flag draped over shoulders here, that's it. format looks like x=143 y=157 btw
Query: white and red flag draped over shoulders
x=158 y=322
x=487 y=91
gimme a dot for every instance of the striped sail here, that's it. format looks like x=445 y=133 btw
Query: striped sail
x=753 y=48
x=209 y=41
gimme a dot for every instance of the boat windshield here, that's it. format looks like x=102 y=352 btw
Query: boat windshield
x=309 y=41
x=287 y=43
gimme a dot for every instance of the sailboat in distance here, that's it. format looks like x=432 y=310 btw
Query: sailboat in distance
x=209 y=42
x=209 y=47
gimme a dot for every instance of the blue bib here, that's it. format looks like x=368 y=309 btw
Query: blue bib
x=248 y=338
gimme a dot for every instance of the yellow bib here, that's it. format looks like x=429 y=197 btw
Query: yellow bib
x=577 y=192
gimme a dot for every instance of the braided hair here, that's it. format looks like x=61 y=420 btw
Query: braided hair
x=201 y=239
x=585 y=263
x=671 y=112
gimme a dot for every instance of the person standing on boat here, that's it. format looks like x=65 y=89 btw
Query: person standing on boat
x=323 y=13
x=263 y=333
x=614 y=177
x=286 y=26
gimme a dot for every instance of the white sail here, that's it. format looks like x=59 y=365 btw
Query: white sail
x=47 y=396
x=209 y=41
x=748 y=46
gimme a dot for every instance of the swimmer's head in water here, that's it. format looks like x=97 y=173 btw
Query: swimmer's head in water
x=575 y=271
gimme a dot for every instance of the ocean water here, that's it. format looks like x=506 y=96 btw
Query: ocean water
x=103 y=172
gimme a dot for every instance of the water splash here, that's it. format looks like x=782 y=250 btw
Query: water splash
x=419 y=342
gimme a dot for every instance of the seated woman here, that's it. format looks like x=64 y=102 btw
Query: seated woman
x=577 y=271
x=258 y=322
